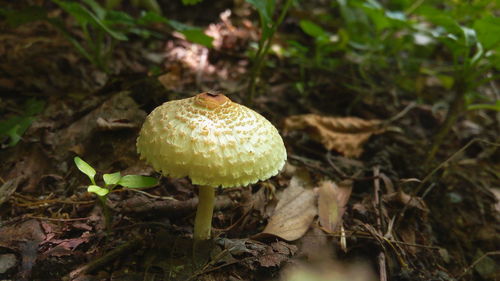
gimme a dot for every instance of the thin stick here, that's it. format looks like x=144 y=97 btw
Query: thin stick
x=428 y=177
x=54 y=219
x=492 y=253
x=409 y=107
x=109 y=257
x=378 y=211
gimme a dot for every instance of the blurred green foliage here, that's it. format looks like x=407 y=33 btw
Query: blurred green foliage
x=268 y=26
x=101 y=28
x=455 y=41
x=14 y=127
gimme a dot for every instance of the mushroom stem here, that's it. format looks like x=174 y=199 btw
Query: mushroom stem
x=203 y=220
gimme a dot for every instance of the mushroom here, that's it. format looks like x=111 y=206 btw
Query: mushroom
x=213 y=141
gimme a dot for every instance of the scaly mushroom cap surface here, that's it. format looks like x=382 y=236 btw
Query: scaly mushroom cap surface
x=212 y=140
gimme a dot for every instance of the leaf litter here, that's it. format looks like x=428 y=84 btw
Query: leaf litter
x=345 y=135
x=295 y=210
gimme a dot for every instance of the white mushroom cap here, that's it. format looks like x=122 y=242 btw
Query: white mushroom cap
x=212 y=140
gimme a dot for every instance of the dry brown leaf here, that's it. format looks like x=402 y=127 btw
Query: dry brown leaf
x=277 y=253
x=343 y=134
x=408 y=236
x=331 y=203
x=8 y=188
x=406 y=199
x=294 y=212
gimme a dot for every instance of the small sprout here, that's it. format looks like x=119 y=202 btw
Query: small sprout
x=111 y=181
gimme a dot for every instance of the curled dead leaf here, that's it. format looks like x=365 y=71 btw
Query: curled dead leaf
x=343 y=134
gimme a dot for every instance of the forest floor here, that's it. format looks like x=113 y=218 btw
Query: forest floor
x=355 y=201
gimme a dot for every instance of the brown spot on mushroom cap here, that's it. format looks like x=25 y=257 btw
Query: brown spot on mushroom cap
x=210 y=100
x=212 y=140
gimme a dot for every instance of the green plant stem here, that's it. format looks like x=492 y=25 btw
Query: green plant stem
x=457 y=106
x=203 y=220
x=264 y=46
x=106 y=212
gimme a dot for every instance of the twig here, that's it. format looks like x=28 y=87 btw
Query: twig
x=54 y=219
x=311 y=164
x=492 y=253
x=150 y=195
x=342 y=175
x=170 y=208
x=378 y=212
x=334 y=167
x=364 y=235
x=409 y=107
x=109 y=257
x=382 y=265
x=377 y=202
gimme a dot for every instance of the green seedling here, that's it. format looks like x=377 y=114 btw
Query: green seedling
x=14 y=127
x=111 y=181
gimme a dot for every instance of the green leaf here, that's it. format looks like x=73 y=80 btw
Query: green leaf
x=312 y=29
x=84 y=16
x=488 y=30
x=191 y=2
x=80 y=13
x=110 y=179
x=469 y=36
x=134 y=181
x=85 y=168
x=115 y=34
x=16 y=126
x=149 y=17
x=446 y=22
x=99 y=11
x=151 y=5
x=97 y=190
x=486 y=106
x=446 y=80
x=193 y=34
x=33 y=107
x=57 y=23
x=18 y=17
x=197 y=36
x=119 y=18
x=265 y=8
